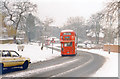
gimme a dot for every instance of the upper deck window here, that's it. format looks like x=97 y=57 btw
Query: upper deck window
x=67 y=33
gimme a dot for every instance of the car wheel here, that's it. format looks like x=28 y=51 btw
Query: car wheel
x=25 y=65
x=1 y=68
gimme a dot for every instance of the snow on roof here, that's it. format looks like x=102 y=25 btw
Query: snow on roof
x=55 y=38
x=52 y=37
x=10 y=38
x=93 y=34
x=67 y=31
x=101 y=35
x=87 y=41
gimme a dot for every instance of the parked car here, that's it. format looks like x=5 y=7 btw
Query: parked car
x=10 y=58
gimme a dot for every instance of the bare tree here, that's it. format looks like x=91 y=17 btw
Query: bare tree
x=75 y=21
x=111 y=11
x=94 y=26
x=118 y=23
x=111 y=20
x=78 y=25
x=16 y=10
x=46 y=23
x=46 y=31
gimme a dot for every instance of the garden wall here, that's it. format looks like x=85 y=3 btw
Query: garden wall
x=113 y=48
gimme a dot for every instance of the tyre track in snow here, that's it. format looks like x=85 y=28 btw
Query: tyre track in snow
x=82 y=65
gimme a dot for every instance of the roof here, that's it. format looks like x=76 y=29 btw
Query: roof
x=10 y=38
x=67 y=31
x=6 y=50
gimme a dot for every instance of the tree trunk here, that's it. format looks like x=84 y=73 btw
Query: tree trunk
x=14 y=38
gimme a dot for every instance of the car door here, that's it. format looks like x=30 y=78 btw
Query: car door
x=6 y=58
x=17 y=59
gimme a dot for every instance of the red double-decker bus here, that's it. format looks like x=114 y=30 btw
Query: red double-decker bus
x=68 y=43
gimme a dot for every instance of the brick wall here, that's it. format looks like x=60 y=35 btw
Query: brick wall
x=113 y=48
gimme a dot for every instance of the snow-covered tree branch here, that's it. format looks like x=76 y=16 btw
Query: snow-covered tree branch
x=15 y=12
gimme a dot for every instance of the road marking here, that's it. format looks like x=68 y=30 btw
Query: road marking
x=35 y=71
x=63 y=73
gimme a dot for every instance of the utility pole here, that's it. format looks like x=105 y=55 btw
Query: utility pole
x=119 y=23
x=110 y=33
x=1 y=28
x=52 y=47
x=52 y=44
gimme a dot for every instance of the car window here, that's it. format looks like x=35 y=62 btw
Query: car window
x=14 y=54
x=6 y=54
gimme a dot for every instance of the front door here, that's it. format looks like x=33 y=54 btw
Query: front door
x=17 y=59
x=6 y=58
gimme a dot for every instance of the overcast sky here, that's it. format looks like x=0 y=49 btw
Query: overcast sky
x=60 y=10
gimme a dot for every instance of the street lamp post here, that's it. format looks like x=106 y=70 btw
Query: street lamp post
x=52 y=47
x=52 y=44
x=110 y=33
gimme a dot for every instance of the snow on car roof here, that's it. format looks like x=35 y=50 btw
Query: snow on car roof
x=67 y=31
x=6 y=50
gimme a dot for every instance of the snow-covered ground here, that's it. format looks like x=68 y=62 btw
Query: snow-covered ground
x=109 y=68
x=33 y=51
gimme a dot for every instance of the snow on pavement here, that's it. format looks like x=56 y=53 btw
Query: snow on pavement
x=33 y=51
x=110 y=67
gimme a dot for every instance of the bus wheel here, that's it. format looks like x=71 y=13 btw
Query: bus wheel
x=62 y=55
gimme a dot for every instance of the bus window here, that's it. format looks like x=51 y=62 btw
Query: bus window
x=68 y=44
x=62 y=45
x=66 y=33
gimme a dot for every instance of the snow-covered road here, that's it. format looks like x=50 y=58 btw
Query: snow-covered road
x=81 y=65
x=109 y=68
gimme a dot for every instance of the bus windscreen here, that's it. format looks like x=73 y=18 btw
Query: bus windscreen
x=68 y=44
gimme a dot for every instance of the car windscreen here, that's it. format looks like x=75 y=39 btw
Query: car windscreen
x=14 y=54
